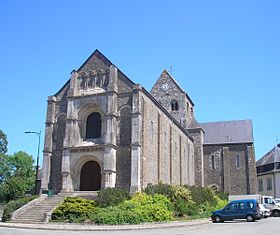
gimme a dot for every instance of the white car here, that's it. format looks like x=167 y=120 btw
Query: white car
x=277 y=200
x=264 y=211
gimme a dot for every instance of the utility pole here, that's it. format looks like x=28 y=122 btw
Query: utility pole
x=38 y=156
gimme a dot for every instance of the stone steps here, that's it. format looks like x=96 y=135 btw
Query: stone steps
x=36 y=213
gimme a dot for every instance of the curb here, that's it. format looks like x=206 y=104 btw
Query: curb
x=88 y=227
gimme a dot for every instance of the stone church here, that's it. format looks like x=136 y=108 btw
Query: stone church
x=103 y=130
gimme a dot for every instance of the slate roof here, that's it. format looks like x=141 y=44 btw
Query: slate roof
x=272 y=156
x=228 y=132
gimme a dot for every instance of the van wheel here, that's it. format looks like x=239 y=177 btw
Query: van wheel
x=249 y=218
x=217 y=219
x=276 y=213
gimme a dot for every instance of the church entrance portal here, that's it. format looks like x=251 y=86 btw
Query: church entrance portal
x=90 y=177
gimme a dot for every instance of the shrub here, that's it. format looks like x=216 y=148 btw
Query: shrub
x=201 y=195
x=111 y=197
x=141 y=208
x=74 y=210
x=222 y=195
x=13 y=205
x=179 y=196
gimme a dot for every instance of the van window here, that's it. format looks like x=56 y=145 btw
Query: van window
x=242 y=206
x=250 y=205
x=232 y=206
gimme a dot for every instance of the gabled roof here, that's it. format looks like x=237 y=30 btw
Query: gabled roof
x=105 y=60
x=228 y=132
x=272 y=156
x=101 y=57
x=165 y=72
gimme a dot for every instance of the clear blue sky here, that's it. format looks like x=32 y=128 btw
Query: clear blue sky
x=225 y=54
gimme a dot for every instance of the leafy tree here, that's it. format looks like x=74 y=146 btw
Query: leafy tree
x=17 y=175
x=3 y=142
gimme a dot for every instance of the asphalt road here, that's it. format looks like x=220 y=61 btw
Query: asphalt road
x=268 y=226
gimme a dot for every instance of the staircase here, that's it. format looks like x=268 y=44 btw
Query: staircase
x=36 y=213
x=40 y=210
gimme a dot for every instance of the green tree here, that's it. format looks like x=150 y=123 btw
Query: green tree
x=17 y=175
x=3 y=142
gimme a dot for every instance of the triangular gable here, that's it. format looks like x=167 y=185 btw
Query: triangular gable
x=166 y=75
x=97 y=61
x=96 y=58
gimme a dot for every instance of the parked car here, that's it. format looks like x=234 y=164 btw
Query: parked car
x=271 y=204
x=240 y=209
x=277 y=200
x=264 y=211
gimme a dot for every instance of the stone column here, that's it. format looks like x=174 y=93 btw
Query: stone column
x=110 y=152
x=67 y=185
x=70 y=140
x=136 y=122
x=73 y=83
x=252 y=172
x=198 y=141
x=48 y=143
x=226 y=167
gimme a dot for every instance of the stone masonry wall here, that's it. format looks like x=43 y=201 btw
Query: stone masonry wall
x=123 y=142
x=58 y=137
x=197 y=135
x=215 y=173
x=165 y=90
x=226 y=174
x=162 y=145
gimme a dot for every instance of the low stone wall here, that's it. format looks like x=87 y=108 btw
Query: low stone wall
x=1 y=211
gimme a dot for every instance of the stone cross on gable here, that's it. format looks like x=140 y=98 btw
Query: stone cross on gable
x=171 y=71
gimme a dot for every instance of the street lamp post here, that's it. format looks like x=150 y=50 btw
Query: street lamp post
x=37 y=160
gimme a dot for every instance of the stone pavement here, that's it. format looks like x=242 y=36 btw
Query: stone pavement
x=91 y=227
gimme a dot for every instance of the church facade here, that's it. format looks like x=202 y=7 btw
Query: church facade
x=103 y=130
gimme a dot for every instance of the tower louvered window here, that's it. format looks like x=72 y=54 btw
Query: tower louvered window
x=174 y=105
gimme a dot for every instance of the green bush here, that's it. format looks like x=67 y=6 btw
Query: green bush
x=222 y=195
x=74 y=210
x=179 y=196
x=140 y=209
x=111 y=197
x=201 y=195
x=13 y=205
x=207 y=200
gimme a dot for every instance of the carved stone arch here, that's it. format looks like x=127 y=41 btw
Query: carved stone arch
x=77 y=170
x=92 y=79
x=83 y=81
x=174 y=105
x=125 y=125
x=99 y=82
x=85 y=112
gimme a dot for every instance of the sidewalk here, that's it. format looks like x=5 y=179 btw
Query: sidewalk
x=89 y=227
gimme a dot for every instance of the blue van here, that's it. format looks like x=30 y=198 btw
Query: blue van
x=240 y=209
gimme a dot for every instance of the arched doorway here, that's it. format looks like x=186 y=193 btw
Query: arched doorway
x=90 y=176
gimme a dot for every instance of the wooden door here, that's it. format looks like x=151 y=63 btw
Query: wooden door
x=90 y=179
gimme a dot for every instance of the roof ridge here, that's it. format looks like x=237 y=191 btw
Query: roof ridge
x=236 y=120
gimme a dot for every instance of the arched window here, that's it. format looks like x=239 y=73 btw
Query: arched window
x=152 y=129
x=93 y=129
x=174 y=105
x=213 y=162
x=237 y=161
